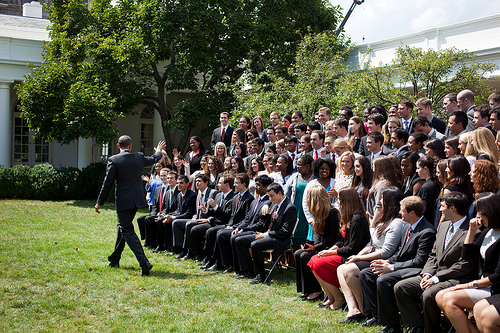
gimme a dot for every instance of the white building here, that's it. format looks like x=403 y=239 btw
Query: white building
x=21 y=41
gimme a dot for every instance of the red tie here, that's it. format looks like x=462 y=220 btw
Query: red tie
x=222 y=135
x=409 y=234
x=239 y=199
x=161 y=198
x=315 y=155
x=275 y=211
x=293 y=156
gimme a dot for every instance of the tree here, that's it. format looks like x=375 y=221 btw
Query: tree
x=103 y=61
x=415 y=73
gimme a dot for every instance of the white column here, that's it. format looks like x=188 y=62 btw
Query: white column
x=5 y=124
x=84 y=152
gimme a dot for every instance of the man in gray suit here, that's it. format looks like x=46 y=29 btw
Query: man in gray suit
x=444 y=268
x=126 y=168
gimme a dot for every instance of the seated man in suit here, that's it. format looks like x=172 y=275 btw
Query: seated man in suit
x=181 y=228
x=216 y=211
x=149 y=221
x=443 y=269
x=253 y=222
x=186 y=208
x=240 y=208
x=164 y=230
x=377 y=281
x=277 y=236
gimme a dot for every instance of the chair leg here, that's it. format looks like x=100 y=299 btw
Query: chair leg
x=272 y=268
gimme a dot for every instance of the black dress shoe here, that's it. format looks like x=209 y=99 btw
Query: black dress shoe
x=114 y=265
x=207 y=265
x=229 y=270
x=258 y=279
x=213 y=268
x=182 y=255
x=369 y=322
x=159 y=249
x=146 y=268
x=351 y=319
x=246 y=275
x=392 y=329
x=201 y=261
x=186 y=257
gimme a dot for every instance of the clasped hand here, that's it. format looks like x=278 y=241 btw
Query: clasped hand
x=380 y=267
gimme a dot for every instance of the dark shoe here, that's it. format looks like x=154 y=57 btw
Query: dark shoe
x=247 y=275
x=182 y=255
x=159 y=250
x=207 y=265
x=186 y=257
x=213 y=268
x=201 y=261
x=317 y=298
x=114 y=265
x=170 y=254
x=416 y=329
x=146 y=268
x=392 y=329
x=229 y=270
x=323 y=305
x=351 y=319
x=369 y=322
x=258 y=279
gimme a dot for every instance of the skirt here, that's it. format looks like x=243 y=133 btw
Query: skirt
x=326 y=268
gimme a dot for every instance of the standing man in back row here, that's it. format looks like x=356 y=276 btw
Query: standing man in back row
x=222 y=133
x=126 y=168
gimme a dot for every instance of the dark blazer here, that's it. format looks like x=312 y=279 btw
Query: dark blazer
x=356 y=237
x=166 y=208
x=490 y=264
x=331 y=233
x=403 y=150
x=240 y=211
x=224 y=209
x=186 y=207
x=446 y=263
x=408 y=191
x=255 y=221
x=126 y=168
x=248 y=159
x=283 y=224
x=414 y=253
x=387 y=149
x=217 y=135
x=429 y=193
x=194 y=163
x=156 y=202
x=209 y=194
x=438 y=124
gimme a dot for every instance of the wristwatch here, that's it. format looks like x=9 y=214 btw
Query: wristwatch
x=474 y=284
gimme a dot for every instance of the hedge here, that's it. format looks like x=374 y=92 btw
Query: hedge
x=44 y=182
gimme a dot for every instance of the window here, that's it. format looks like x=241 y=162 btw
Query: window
x=26 y=149
x=146 y=124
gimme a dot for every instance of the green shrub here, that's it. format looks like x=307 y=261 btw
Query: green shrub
x=6 y=182
x=21 y=174
x=46 y=182
x=90 y=180
x=69 y=182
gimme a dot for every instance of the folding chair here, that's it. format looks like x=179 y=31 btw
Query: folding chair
x=277 y=261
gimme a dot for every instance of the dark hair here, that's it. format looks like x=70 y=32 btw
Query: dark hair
x=495 y=110
x=291 y=138
x=460 y=167
x=452 y=97
x=243 y=178
x=305 y=159
x=197 y=139
x=453 y=142
x=288 y=161
x=419 y=137
x=243 y=148
x=320 y=133
x=391 y=197
x=272 y=146
x=282 y=127
x=438 y=147
x=288 y=117
x=228 y=179
x=412 y=157
x=313 y=125
x=302 y=126
x=183 y=178
x=241 y=164
x=430 y=163
x=420 y=121
x=316 y=165
x=247 y=120
x=250 y=171
x=377 y=118
x=484 y=110
x=457 y=200
x=265 y=180
x=275 y=187
x=401 y=133
x=406 y=102
x=258 y=140
x=204 y=178
x=460 y=117
x=241 y=133
x=124 y=141
x=488 y=206
x=377 y=136
x=377 y=108
x=365 y=179
x=342 y=122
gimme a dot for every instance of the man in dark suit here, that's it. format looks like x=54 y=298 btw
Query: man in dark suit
x=182 y=227
x=186 y=208
x=374 y=143
x=399 y=138
x=257 y=149
x=405 y=109
x=377 y=281
x=126 y=168
x=222 y=133
x=253 y=222
x=164 y=230
x=216 y=210
x=444 y=268
x=240 y=207
x=424 y=108
x=277 y=236
x=465 y=100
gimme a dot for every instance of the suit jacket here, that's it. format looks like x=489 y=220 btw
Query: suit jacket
x=283 y=224
x=186 y=207
x=248 y=159
x=446 y=263
x=224 y=209
x=438 y=124
x=156 y=201
x=414 y=253
x=209 y=194
x=255 y=221
x=194 y=162
x=168 y=208
x=126 y=168
x=217 y=136
x=240 y=211
x=410 y=125
x=403 y=150
x=438 y=135
x=327 y=155
x=362 y=147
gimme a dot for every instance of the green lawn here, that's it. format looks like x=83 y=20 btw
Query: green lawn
x=55 y=278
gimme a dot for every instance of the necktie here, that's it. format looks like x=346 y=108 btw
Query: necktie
x=239 y=199
x=161 y=198
x=408 y=235
x=275 y=211
x=256 y=206
x=449 y=235
x=293 y=157
x=315 y=155
x=406 y=124
x=222 y=135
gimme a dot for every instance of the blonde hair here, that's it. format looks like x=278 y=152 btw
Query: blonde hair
x=220 y=144
x=349 y=154
x=470 y=150
x=484 y=143
x=319 y=206
x=385 y=129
